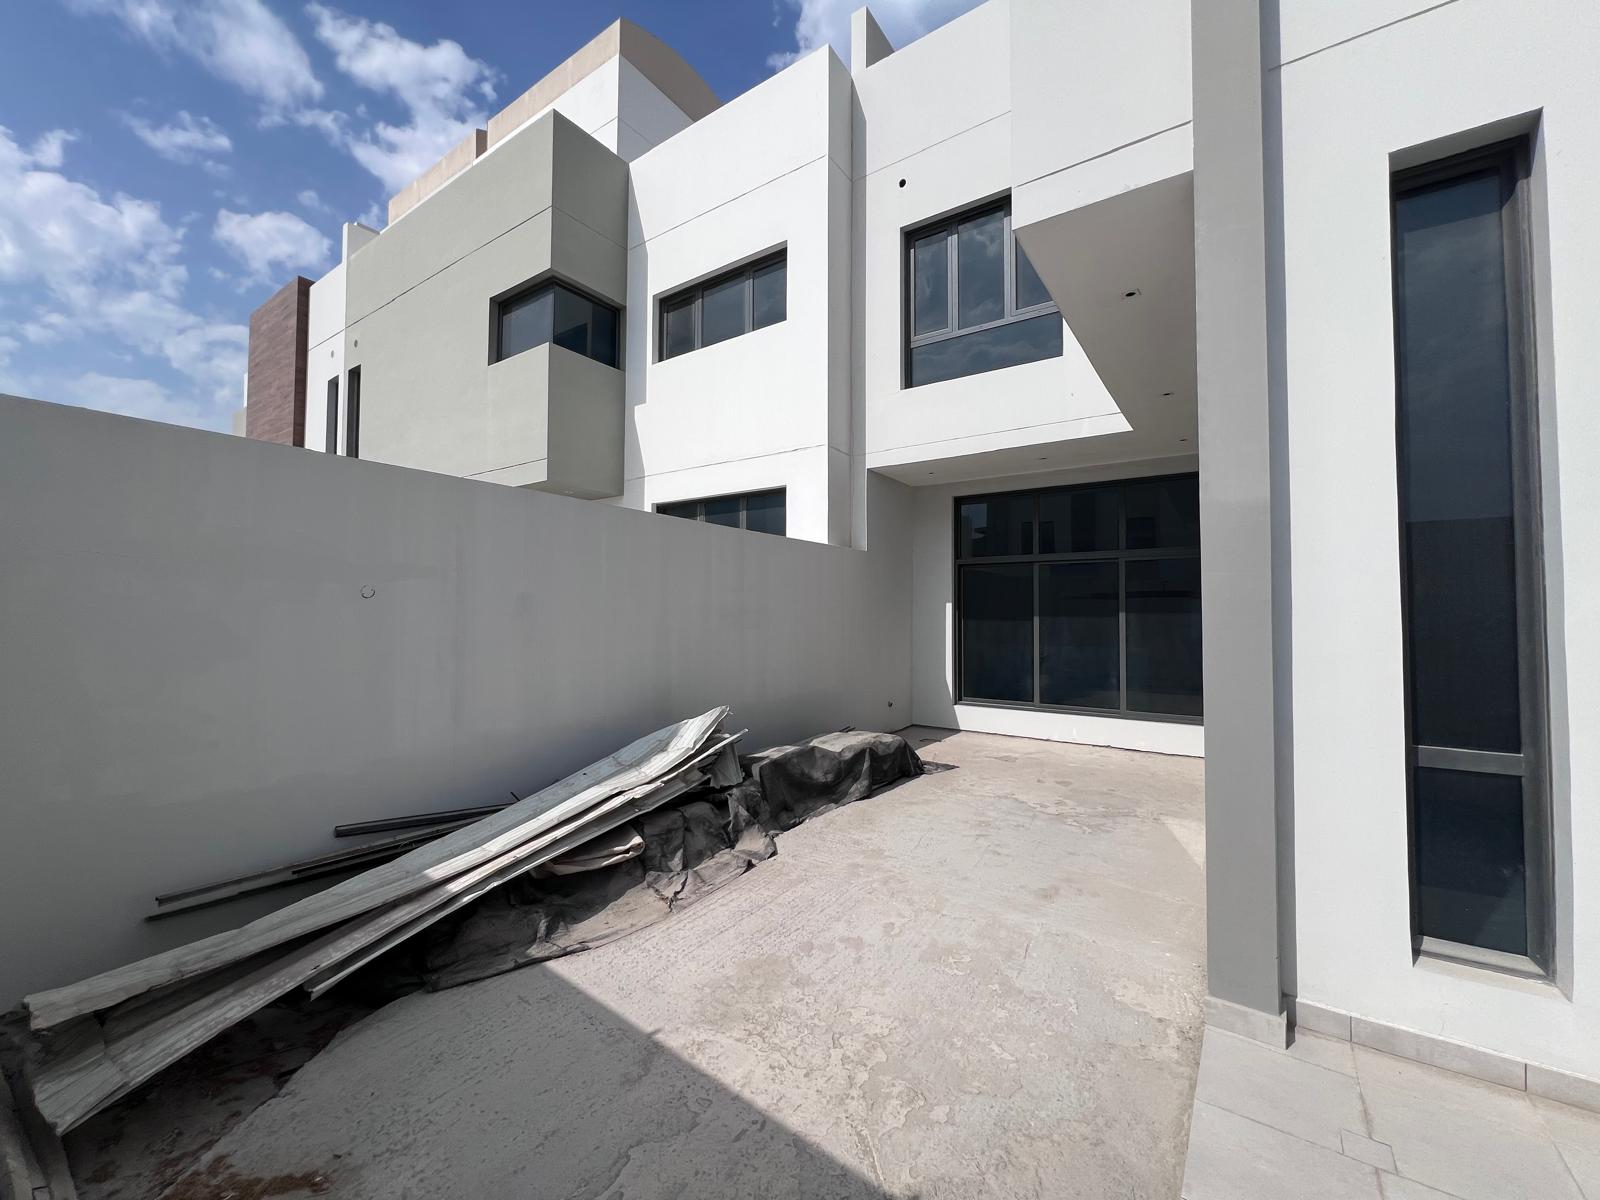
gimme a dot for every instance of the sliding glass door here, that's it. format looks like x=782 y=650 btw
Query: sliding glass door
x=1084 y=599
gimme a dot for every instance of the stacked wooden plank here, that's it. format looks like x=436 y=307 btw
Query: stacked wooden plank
x=96 y=1040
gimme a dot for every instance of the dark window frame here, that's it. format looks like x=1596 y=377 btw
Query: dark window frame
x=330 y=436
x=910 y=339
x=743 y=498
x=1122 y=556
x=526 y=293
x=352 y=412
x=1511 y=159
x=695 y=293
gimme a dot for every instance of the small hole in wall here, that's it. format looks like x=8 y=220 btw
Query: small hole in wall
x=902 y=183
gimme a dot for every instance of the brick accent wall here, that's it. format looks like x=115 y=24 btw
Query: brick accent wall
x=275 y=400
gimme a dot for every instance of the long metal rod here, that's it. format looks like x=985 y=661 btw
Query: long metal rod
x=171 y=903
x=416 y=820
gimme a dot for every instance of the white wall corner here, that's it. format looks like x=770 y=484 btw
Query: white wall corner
x=868 y=43
x=355 y=235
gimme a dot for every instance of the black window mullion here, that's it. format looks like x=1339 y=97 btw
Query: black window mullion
x=1122 y=635
x=954 y=287
x=1008 y=304
x=1038 y=660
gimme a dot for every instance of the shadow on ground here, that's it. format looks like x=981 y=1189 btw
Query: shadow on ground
x=983 y=982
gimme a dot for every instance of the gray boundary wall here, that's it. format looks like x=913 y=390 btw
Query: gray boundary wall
x=193 y=683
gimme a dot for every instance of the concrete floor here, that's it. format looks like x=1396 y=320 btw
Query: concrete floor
x=984 y=982
x=1327 y=1120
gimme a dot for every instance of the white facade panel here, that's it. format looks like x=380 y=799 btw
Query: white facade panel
x=765 y=409
x=1089 y=78
x=324 y=355
x=1345 y=112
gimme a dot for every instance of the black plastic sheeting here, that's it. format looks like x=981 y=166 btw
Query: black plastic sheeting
x=689 y=851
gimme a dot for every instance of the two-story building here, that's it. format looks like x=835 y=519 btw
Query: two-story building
x=1235 y=360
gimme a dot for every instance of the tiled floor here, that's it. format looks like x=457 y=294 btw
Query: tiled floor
x=1326 y=1120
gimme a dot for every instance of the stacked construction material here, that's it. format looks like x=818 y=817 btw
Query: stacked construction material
x=94 y=1041
x=659 y=865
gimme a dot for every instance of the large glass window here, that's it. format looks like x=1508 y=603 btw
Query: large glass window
x=749 y=297
x=974 y=301
x=552 y=312
x=1470 y=564
x=762 y=512
x=1083 y=598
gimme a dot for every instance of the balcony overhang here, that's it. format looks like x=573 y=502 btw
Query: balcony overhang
x=1103 y=198
x=1121 y=268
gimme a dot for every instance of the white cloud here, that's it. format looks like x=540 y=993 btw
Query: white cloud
x=310 y=201
x=133 y=398
x=827 y=22
x=271 y=242
x=185 y=139
x=108 y=267
x=50 y=149
x=441 y=87
x=240 y=41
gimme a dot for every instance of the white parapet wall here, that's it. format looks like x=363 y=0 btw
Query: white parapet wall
x=212 y=650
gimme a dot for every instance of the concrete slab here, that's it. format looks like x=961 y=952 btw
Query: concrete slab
x=986 y=981
x=1405 y=1130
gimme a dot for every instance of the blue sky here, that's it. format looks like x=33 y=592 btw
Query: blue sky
x=165 y=164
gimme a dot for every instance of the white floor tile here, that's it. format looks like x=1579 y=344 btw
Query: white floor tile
x=1234 y=1158
x=1471 y=1139
x=1275 y=1088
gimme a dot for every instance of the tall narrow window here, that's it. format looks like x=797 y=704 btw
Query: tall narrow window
x=330 y=441
x=1470 y=564
x=352 y=413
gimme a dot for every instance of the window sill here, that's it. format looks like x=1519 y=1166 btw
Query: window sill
x=1520 y=967
x=1109 y=714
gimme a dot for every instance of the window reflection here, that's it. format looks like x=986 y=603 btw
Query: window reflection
x=987 y=350
x=553 y=313
x=981 y=270
x=930 y=271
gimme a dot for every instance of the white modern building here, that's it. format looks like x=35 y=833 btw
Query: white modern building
x=1239 y=350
